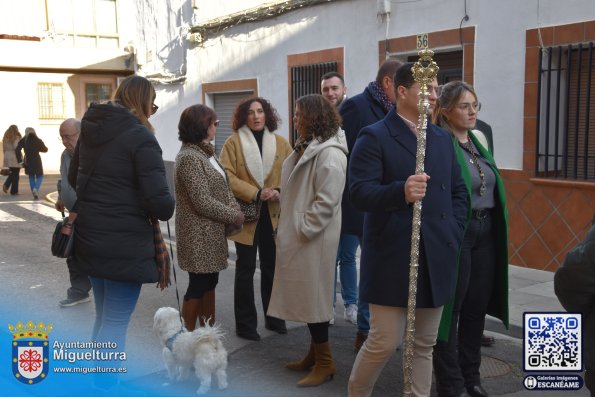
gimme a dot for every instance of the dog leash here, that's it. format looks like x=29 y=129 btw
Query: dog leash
x=173 y=265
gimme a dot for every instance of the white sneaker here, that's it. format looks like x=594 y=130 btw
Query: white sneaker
x=332 y=321
x=351 y=313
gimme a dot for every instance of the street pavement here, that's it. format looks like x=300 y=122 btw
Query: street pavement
x=257 y=368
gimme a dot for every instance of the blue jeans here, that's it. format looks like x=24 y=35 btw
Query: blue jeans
x=114 y=304
x=348 y=244
x=35 y=181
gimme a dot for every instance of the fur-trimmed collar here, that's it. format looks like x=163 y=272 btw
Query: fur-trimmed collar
x=259 y=167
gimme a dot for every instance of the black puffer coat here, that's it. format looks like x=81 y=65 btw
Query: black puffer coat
x=127 y=185
x=33 y=146
x=574 y=284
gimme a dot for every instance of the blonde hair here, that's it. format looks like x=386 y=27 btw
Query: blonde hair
x=137 y=94
x=11 y=134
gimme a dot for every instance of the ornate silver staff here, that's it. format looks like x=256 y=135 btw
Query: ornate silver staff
x=424 y=72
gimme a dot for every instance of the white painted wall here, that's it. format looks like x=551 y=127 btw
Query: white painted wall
x=260 y=49
x=20 y=104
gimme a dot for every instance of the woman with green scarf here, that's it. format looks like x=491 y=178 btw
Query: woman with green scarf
x=482 y=283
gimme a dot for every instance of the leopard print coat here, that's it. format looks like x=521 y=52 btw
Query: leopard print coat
x=204 y=204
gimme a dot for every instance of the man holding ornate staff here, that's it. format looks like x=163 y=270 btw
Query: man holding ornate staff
x=383 y=183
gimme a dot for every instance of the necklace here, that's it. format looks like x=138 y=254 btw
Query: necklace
x=468 y=146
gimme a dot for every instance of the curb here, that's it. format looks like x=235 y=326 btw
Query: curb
x=52 y=197
x=495 y=325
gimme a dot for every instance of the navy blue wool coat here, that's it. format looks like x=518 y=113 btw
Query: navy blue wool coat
x=383 y=158
x=357 y=112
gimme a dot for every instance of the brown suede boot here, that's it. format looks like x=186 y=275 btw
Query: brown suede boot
x=324 y=366
x=191 y=310
x=208 y=308
x=305 y=364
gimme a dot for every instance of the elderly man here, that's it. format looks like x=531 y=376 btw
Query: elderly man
x=80 y=285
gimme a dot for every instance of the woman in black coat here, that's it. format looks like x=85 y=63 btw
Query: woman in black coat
x=32 y=160
x=121 y=186
x=574 y=284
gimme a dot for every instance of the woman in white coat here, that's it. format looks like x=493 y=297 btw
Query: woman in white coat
x=312 y=181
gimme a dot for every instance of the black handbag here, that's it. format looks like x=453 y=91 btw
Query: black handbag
x=251 y=210
x=63 y=238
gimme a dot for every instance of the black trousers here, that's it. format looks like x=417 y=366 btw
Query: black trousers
x=12 y=180
x=590 y=380
x=264 y=244
x=80 y=285
x=456 y=362
x=200 y=283
x=319 y=332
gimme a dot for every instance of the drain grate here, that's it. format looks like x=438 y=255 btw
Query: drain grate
x=492 y=367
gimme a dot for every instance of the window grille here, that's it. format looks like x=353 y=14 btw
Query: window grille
x=50 y=97
x=566 y=113
x=306 y=80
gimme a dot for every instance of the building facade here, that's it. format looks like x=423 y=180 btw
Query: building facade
x=530 y=63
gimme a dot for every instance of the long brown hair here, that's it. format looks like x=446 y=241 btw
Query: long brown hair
x=11 y=134
x=319 y=117
x=137 y=94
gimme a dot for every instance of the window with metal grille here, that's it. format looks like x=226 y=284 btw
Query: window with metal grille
x=306 y=80
x=566 y=113
x=50 y=99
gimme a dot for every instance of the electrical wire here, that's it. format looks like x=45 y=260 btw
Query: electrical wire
x=464 y=19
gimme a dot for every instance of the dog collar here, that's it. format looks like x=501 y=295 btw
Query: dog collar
x=170 y=342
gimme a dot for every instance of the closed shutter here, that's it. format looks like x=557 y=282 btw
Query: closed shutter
x=225 y=104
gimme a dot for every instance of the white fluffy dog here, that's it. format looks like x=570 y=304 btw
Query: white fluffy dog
x=201 y=348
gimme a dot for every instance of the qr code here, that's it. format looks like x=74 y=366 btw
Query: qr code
x=552 y=342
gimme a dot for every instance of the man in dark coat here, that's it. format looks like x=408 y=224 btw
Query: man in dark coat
x=574 y=284
x=486 y=129
x=383 y=183
x=358 y=112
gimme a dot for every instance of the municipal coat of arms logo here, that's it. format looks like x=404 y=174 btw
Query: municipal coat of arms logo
x=30 y=351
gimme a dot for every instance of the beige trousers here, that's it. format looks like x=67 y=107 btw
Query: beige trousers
x=387 y=326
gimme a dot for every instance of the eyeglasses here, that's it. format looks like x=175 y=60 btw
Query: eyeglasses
x=466 y=106
x=216 y=123
x=154 y=109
